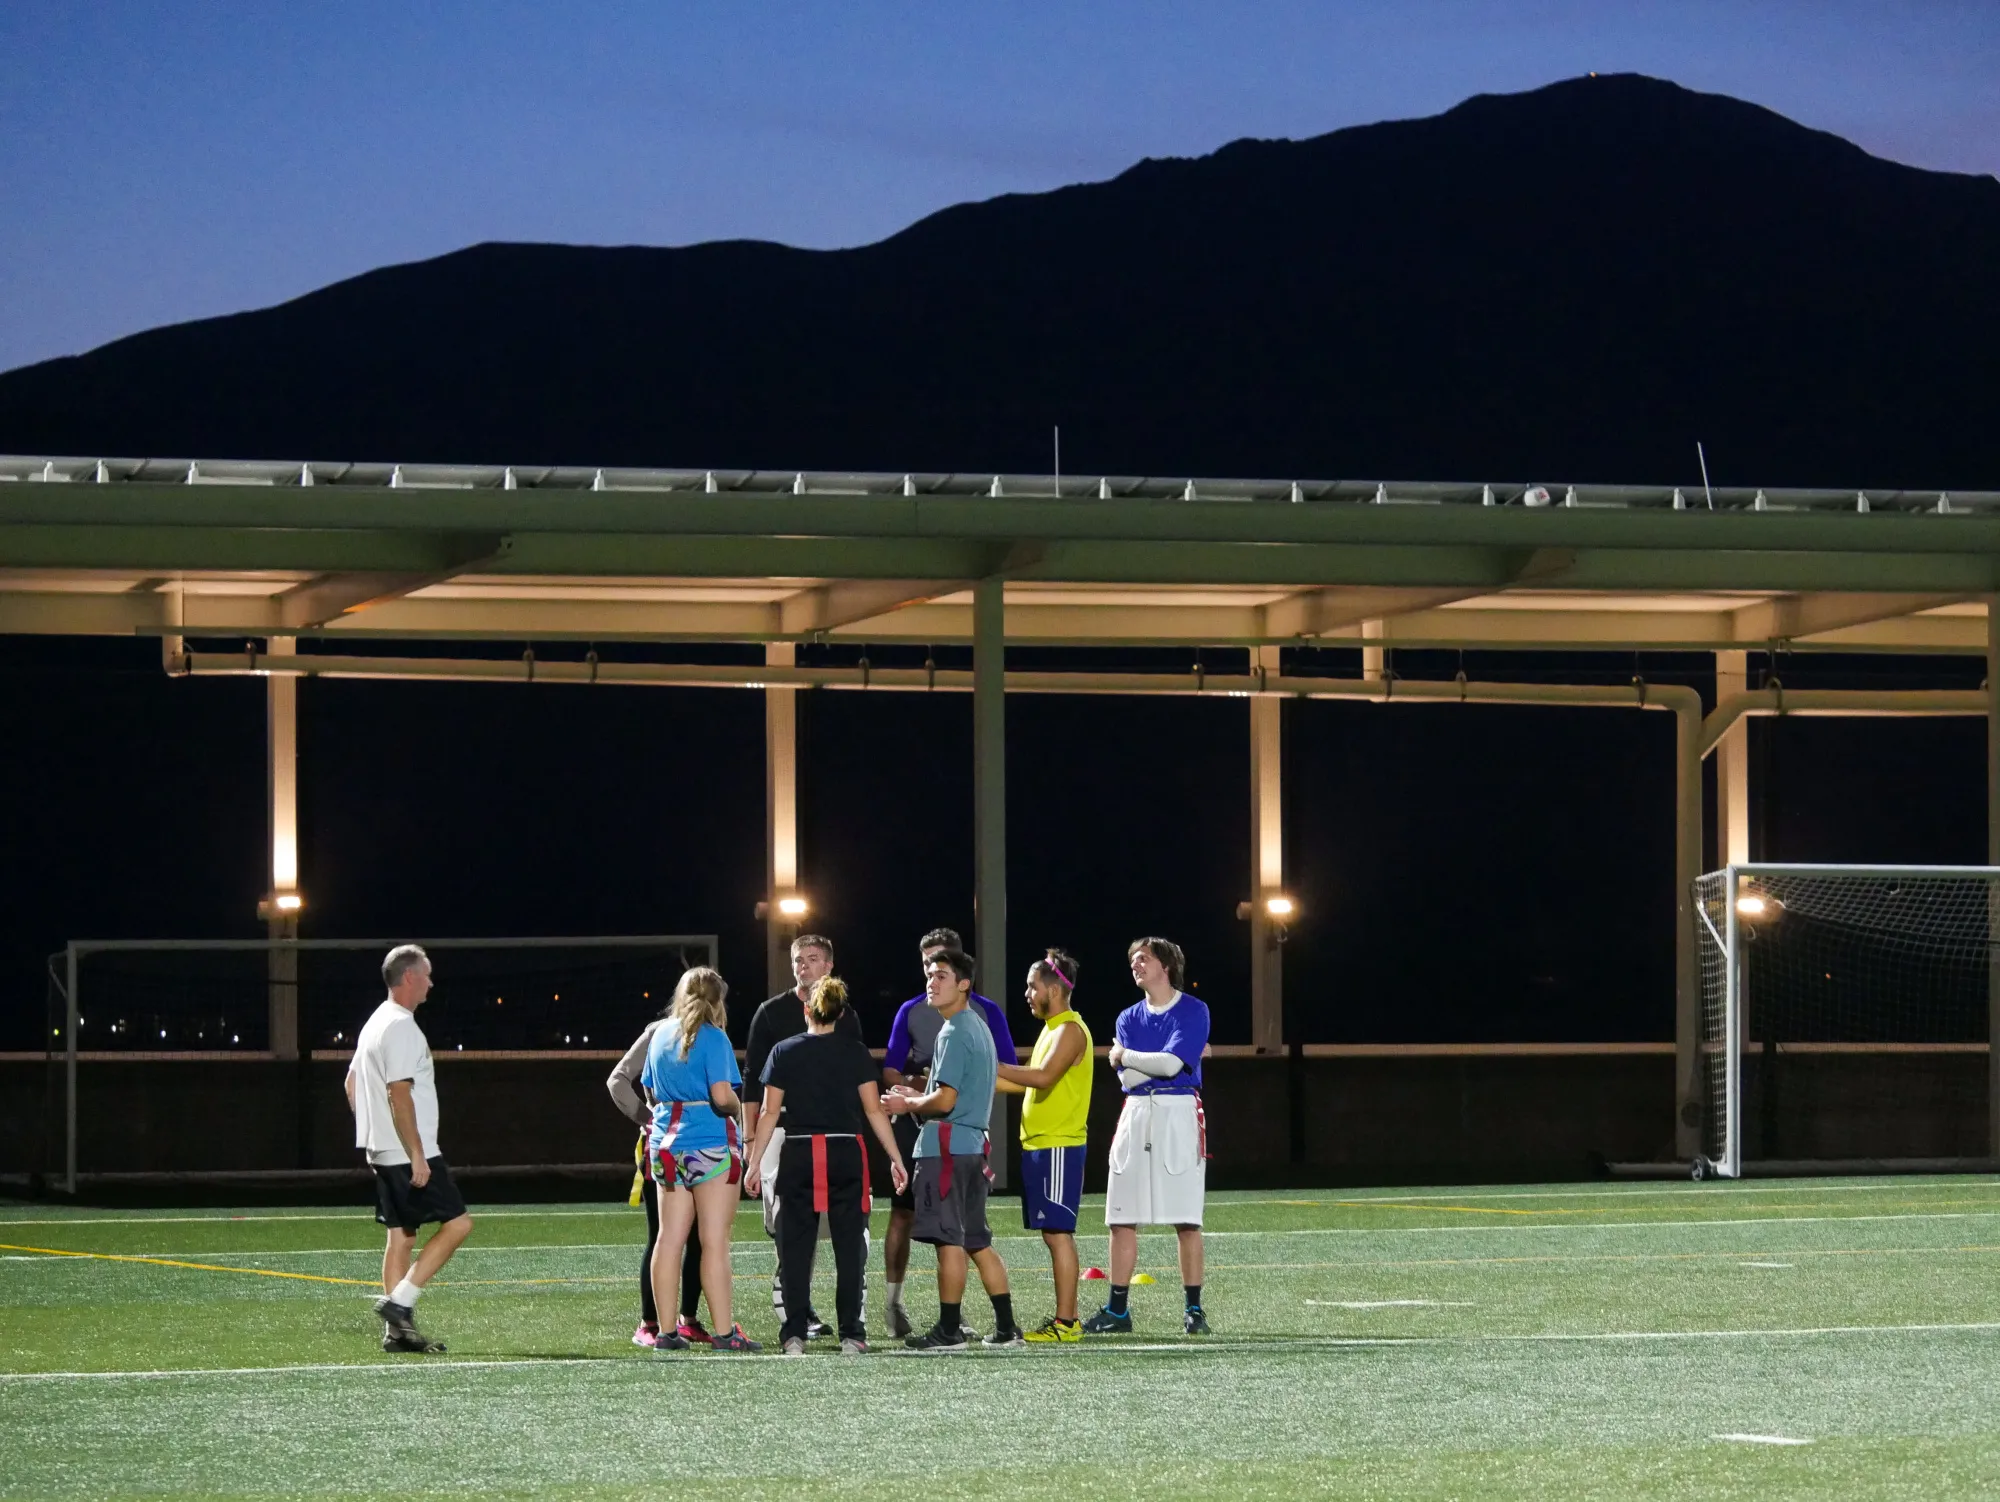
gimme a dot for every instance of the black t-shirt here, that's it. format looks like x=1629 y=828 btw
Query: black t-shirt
x=822 y=1075
x=782 y=1017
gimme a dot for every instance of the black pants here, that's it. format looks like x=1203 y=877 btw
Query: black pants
x=798 y=1231
x=690 y=1261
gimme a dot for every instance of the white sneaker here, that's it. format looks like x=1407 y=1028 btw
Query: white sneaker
x=849 y=1346
x=795 y=1347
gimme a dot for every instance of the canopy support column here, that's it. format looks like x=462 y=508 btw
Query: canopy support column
x=1267 y=861
x=1732 y=766
x=989 y=780
x=781 y=819
x=1993 y=859
x=1690 y=1101
x=281 y=781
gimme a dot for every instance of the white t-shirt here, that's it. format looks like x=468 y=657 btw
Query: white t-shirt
x=392 y=1047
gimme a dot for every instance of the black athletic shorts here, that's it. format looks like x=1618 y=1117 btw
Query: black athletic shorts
x=404 y=1207
x=906 y=1129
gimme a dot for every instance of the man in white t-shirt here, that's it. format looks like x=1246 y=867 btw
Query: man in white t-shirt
x=393 y=1094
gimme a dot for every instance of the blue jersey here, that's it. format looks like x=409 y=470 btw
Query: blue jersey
x=684 y=1083
x=1181 y=1030
x=914 y=1032
x=964 y=1060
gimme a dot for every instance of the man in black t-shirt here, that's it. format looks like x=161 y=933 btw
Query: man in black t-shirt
x=782 y=1017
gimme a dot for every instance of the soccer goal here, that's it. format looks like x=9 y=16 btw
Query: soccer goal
x=119 y=1005
x=1808 y=969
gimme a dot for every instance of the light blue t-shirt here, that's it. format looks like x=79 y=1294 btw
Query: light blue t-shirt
x=672 y=1080
x=963 y=1058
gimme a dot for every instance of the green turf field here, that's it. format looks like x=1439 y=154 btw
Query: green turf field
x=1776 y=1340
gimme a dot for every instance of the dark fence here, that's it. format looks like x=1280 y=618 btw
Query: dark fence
x=1324 y=1116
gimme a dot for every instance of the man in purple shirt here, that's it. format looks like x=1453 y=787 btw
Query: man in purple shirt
x=907 y=1061
x=1159 y=1154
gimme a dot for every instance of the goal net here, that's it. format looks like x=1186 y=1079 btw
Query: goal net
x=276 y=1007
x=1804 y=967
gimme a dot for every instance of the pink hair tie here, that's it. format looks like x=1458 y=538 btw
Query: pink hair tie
x=1053 y=969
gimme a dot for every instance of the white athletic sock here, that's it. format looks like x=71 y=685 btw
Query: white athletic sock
x=895 y=1294
x=405 y=1294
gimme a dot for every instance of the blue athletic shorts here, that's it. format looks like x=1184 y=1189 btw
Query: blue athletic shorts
x=1051 y=1187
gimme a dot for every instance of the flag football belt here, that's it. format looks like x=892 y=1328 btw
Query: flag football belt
x=819 y=1141
x=944 y=1158
x=666 y=1157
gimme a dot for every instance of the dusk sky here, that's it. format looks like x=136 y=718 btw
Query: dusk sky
x=166 y=162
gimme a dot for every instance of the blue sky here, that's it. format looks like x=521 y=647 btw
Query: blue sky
x=172 y=161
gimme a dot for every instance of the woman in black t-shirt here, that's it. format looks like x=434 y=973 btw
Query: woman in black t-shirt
x=826 y=1088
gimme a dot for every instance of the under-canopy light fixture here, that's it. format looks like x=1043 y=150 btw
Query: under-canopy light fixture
x=793 y=907
x=1278 y=906
x=1756 y=907
x=788 y=907
x=281 y=905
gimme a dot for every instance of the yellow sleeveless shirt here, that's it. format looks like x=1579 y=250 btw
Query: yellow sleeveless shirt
x=1058 y=1116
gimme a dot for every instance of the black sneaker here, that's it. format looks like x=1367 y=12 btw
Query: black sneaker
x=937 y=1338
x=411 y=1341
x=672 y=1340
x=397 y=1319
x=816 y=1327
x=1104 y=1322
x=1194 y=1322
x=899 y=1322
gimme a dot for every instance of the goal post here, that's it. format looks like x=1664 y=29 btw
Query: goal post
x=1826 y=961
x=129 y=1001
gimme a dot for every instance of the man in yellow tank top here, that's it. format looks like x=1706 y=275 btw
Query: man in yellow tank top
x=1054 y=1118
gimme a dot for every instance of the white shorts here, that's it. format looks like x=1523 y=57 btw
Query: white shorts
x=767 y=1171
x=1159 y=1162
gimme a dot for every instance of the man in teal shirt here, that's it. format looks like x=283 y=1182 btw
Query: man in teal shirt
x=951 y=1176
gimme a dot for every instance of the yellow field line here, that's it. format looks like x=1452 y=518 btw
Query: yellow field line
x=268 y=1272
x=205 y=1267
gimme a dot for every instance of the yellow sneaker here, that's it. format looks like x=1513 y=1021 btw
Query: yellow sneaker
x=1053 y=1331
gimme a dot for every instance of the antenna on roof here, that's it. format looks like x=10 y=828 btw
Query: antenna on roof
x=1700 y=454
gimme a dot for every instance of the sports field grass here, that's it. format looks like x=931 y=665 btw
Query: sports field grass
x=1776 y=1340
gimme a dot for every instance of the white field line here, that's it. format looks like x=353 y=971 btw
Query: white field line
x=1453 y=1229
x=1390 y=1304
x=1736 y=1190
x=359 y=1213
x=1760 y=1439
x=1457 y=1228
x=1224 y=1197
x=1769 y=1264
x=1107 y=1348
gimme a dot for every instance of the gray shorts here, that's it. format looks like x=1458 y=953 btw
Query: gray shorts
x=955 y=1216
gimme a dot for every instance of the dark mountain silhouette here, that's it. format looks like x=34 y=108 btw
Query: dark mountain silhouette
x=1576 y=282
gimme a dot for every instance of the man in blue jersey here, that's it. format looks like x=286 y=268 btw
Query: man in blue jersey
x=951 y=1174
x=1159 y=1154
x=906 y=1062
